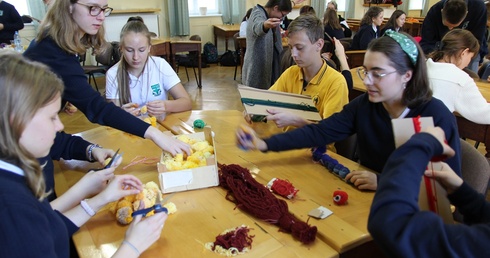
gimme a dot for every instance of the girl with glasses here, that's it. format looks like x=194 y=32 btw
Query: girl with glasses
x=395 y=77
x=68 y=30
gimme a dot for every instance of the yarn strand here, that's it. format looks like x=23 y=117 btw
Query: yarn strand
x=254 y=198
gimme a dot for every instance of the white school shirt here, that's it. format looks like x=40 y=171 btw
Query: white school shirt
x=458 y=91
x=157 y=78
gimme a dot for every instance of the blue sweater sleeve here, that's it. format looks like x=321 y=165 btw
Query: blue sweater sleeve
x=68 y=146
x=400 y=228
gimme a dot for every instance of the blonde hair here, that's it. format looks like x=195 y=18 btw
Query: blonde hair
x=62 y=28
x=122 y=76
x=25 y=87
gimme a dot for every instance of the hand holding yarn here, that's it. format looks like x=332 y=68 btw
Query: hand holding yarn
x=248 y=140
x=363 y=180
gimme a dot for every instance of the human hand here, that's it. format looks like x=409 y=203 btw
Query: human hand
x=447 y=177
x=339 y=48
x=2 y=26
x=119 y=187
x=284 y=118
x=93 y=182
x=142 y=233
x=272 y=23
x=248 y=140
x=70 y=109
x=363 y=180
x=156 y=108
x=166 y=142
x=101 y=154
x=438 y=133
x=488 y=78
x=131 y=108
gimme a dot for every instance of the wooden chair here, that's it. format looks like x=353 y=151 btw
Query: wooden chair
x=105 y=59
x=237 y=50
x=355 y=58
x=475 y=168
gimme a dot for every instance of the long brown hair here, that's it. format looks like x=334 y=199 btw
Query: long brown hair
x=391 y=23
x=25 y=87
x=453 y=43
x=371 y=13
x=122 y=75
x=62 y=28
x=331 y=19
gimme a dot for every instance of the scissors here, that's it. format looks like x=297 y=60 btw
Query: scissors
x=158 y=207
x=114 y=158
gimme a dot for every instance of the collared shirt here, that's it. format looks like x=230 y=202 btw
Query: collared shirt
x=12 y=168
x=157 y=78
x=328 y=88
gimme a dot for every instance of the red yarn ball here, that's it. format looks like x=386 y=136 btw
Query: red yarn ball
x=340 y=197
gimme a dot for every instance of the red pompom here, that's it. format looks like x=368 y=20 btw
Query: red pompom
x=340 y=197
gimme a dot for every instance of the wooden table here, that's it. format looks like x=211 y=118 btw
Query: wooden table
x=203 y=214
x=466 y=128
x=225 y=30
x=169 y=47
x=160 y=47
x=177 y=46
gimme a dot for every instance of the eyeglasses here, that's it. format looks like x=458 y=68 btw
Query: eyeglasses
x=95 y=10
x=373 y=75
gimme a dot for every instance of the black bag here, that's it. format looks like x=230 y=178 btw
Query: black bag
x=210 y=53
x=229 y=58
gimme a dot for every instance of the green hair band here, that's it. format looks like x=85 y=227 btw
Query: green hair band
x=407 y=45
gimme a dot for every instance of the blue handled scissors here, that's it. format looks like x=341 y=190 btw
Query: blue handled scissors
x=158 y=207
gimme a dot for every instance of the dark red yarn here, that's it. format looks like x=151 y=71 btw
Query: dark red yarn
x=238 y=239
x=254 y=198
x=284 y=188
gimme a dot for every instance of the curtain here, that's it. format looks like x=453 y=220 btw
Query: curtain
x=37 y=9
x=425 y=7
x=178 y=17
x=232 y=11
x=350 y=9
x=404 y=6
x=319 y=6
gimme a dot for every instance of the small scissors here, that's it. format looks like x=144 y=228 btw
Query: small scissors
x=158 y=207
x=114 y=158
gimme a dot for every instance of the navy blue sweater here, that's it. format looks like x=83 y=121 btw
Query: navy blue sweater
x=66 y=147
x=362 y=38
x=30 y=228
x=11 y=21
x=402 y=230
x=433 y=30
x=372 y=124
x=79 y=92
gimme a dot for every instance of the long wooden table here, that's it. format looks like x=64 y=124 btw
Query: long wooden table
x=466 y=128
x=225 y=30
x=203 y=214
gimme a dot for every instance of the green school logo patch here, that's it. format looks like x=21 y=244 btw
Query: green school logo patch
x=155 y=90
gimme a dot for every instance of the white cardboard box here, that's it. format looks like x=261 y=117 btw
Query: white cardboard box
x=195 y=178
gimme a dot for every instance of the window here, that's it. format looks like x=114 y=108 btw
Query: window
x=340 y=6
x=416 y=5
x=195 y=5
x=20 y=6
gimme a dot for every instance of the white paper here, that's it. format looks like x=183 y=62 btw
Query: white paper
x=170 y=179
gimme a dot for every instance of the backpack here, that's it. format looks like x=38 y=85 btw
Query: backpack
x=210 y=53
x=229 y=58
